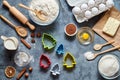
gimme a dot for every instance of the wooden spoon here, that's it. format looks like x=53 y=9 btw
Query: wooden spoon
x=99 y=46
x=42 y=15
x=19 y=29
x=97 y=54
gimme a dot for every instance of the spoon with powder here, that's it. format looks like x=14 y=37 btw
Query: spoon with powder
x=90 y=56
x=99 y=46
x=19 y=29
x=42 y=15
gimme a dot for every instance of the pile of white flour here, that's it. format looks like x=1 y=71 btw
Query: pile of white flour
x=51 y=7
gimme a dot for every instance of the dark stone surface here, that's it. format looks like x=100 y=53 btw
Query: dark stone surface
x=84 y=70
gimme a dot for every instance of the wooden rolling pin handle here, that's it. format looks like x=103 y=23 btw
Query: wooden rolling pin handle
x=7 y=21
x=6 y=4
x=32 y=27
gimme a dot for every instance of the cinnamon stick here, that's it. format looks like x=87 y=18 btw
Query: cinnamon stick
x=25 y=43
x=21 y=73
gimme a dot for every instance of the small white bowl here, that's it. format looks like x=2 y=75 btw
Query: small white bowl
x=68 y=33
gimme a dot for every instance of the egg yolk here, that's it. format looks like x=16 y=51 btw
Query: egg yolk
x=85 y=36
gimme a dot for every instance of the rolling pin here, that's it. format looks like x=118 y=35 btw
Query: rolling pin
x=18 y=15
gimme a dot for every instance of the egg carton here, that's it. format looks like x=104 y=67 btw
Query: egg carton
x=83 y=10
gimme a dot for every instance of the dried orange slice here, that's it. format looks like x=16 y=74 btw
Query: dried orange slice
x=10 y=71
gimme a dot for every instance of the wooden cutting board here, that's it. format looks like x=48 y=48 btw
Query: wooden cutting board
x=100 y=24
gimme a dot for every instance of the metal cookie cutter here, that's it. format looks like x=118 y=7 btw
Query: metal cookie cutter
x=47 y=38
x=71 y=58
x=55 y=70
x=60 y=49
x=44 y=58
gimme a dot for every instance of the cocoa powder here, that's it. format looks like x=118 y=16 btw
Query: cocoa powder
x=70 y=29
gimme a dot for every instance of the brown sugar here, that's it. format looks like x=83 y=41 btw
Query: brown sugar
x=70 y=29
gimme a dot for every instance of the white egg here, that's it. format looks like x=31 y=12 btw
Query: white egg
x=102 y=7
x=76 y=10
x=91 y=3
x=94 y=10
x=98 y=1
x=84 y=7
x=109 y=3
x=88 y=14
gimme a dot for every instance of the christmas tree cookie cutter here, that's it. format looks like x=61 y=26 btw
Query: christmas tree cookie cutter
x=44 y=58
x=71 y=58
x=49 y=38
x=55 y=70
x=60 y=49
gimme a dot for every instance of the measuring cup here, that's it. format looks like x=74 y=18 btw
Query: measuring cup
x=10 y=43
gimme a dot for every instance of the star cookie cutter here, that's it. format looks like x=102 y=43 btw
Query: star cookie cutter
x=60 y=49
x=71 y=58
x=55 y=70
x=44 y=58
x=48 y=37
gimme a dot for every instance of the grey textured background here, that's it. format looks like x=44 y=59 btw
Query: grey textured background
x=84 y=70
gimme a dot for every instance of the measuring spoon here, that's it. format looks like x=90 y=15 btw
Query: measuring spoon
x=42 y=15
x=99 y=46
x=19 y=29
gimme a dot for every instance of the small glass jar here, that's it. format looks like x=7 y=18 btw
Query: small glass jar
x=22 y=59
x=85 y=35
x=110 y=65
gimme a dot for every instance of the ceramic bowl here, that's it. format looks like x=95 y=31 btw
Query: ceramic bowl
x=36 y=20
x=73 y=34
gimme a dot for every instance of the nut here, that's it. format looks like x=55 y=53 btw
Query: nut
x=30 y=69
x=33 y=40
x=10 y=71
x=26 y=75
x=32 y=34
x=38 y=34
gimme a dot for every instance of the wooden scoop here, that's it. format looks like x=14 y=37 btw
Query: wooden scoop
x=42 y=15
x=110 y=49
x=99 y=46
x=19 y=29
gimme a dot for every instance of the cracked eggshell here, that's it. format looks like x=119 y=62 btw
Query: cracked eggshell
x=88 y=14
x=109 y=3
x=76 y=10
x=94 y=10
x=91 y=3
x=84 y=7
x=102 y=7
